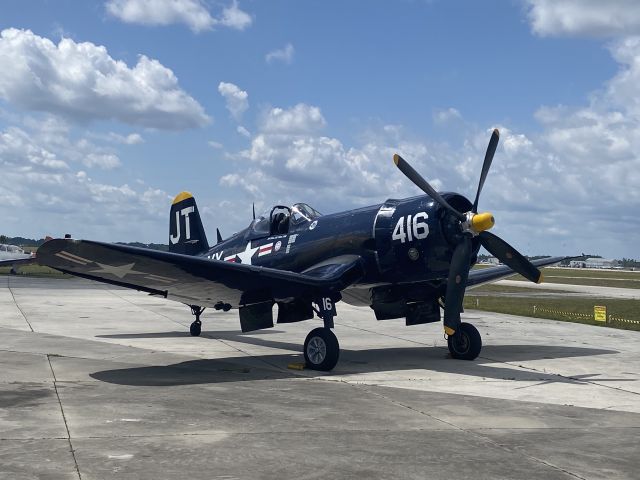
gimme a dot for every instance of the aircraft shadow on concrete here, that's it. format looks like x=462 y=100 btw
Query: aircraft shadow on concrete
x=491 y=364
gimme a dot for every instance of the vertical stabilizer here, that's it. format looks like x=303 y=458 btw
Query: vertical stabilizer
x=186 y=233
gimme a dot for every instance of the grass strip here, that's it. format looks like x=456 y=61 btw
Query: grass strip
x=569 y=309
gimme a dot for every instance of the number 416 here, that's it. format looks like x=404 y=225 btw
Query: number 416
x=416 y=227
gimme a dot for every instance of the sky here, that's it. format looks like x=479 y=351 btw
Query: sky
x=108 y=109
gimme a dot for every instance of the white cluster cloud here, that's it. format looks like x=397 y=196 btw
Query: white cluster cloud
x=284 y=55
x=193 y=13
x=46 y=186
x=584 y=17
x=49 y=145
x=130 y=139
x=237 y=100
x=444 y=116
x=301 y=118
x=578 y=176
x=233 y=17
x=290 y=160
x=243 y=131
x=81 y=81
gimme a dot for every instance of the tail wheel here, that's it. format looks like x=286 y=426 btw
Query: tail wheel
x=321 y=349
x=466 y=343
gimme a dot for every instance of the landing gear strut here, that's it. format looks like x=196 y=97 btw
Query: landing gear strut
x=321 y=347
x=466 y=343
x=196 y=326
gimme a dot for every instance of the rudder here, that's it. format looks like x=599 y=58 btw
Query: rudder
x=186 y=233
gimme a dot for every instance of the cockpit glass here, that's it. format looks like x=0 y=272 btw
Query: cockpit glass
x=301 y=212
x=261 y=224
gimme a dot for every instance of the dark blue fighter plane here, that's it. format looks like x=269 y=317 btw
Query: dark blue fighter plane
x=403 y=258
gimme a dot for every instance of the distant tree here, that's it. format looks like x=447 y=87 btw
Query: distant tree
x=629 y=263
x=4 y=239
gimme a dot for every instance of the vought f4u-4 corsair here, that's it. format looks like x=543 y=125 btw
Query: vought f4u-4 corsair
x=403 y=258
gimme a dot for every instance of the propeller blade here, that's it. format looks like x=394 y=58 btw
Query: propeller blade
x=423 y=185
x=488 y=158
x=510 y=256
x=456 y=285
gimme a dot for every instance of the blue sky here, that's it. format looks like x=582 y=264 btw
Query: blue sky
x=110 y=108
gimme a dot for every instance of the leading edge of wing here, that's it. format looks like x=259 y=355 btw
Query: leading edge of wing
x=18 y=261
x=65 y=254
x=492 y=274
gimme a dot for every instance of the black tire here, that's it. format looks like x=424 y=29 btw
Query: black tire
x=195 y=328
x=466 y=343
x=321 y=349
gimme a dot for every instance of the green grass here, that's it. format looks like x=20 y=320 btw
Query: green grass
x=560 y=308
x=581 y=276
x=34 y=271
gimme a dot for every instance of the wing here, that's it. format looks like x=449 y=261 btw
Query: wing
x=190 y=279
x=492 y=274
x=18 y=261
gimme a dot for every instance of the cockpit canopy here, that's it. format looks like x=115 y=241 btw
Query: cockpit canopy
x=282 y=220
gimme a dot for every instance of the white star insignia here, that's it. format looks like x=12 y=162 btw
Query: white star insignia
x=120 y=271
x=245 y=257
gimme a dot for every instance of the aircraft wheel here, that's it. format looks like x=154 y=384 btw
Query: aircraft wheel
x=466 y=343
x=321 y=349
x=195 y=328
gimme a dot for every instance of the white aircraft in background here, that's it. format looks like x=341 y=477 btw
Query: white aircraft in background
x=14 y=256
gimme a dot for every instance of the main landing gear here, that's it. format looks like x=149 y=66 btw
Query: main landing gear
x=465 y=343
x=321 y=347
x=196 y=327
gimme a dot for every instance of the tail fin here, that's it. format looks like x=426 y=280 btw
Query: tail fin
x=186 y=233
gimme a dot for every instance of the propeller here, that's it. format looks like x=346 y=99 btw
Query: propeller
x=486 y=165
x=472 y=224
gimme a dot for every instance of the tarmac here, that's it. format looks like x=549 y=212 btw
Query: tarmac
x=100 y=382
x=583 y=290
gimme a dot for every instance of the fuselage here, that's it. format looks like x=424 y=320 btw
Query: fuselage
x=12 y=252
x=407 y=241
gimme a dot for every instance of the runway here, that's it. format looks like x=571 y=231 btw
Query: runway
x=584 y=290
x=102 y=382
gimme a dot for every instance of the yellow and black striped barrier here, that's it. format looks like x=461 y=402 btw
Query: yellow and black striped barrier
x=585 y=316
x=599 y=315
x=624 y=320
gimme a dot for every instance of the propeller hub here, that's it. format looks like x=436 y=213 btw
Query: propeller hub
x=475 y=223
x=482 y=221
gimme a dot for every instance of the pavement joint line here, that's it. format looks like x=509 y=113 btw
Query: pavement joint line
x=476 y=430
x=387 y=335
x=247 y=354
x=475 y=434
x=64 y=418
x=568 y=377
x=16 y=303
x=113 y=292
x=258 y=358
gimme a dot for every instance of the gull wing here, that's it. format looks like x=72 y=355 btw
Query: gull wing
x=194 y=280
x=491 y=274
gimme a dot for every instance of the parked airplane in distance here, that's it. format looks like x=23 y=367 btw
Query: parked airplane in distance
x=14 y=256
